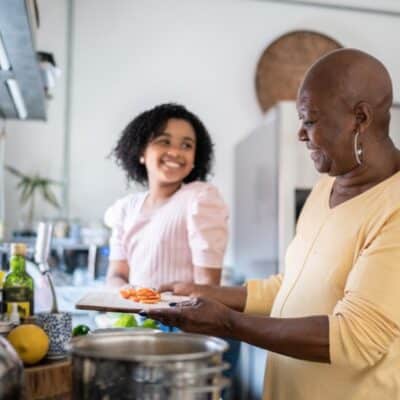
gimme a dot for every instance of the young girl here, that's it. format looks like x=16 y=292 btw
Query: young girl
x=177 y=229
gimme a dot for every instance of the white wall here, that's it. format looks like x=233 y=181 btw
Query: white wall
x=129 y=55
x=38 y=147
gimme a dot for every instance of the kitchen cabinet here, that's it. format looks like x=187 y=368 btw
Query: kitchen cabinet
x=24 y=98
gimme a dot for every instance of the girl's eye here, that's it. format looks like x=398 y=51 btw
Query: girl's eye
x=187 y=146
x=163 y=141
x=308 y=124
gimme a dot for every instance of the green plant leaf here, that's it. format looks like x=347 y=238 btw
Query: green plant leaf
x=27 y=192
x=14 y=171
x=28 y=185
x=49 y=195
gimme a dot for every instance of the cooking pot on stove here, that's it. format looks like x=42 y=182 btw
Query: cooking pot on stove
x=148 y=366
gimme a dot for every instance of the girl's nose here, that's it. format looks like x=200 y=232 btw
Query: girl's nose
x=173 y=152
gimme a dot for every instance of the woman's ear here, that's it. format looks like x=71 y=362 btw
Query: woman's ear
x=364 y=116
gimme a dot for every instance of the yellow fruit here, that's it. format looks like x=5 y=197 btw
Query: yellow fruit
x=30 y=341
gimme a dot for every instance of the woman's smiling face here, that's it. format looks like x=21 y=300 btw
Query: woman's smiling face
x=327 y=127
x=169 y=157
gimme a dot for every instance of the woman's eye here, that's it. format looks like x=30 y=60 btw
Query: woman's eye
x=187 y=146
x=308 y=123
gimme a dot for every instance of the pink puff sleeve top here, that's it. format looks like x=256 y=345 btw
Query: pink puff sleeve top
x=190 y=229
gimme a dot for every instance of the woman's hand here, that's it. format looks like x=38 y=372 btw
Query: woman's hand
x=232 y=297
x=182 y=288
x=198 y=315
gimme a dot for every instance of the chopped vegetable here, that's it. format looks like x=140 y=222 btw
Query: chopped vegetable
x=141 y=295
x=80 y=330
x=125 y=321
x=149 y=323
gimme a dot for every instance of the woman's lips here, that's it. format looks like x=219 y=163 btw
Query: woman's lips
x=315 y=154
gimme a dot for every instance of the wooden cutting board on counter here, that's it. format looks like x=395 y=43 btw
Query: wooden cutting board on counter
x=111 y=301
x=48 y=380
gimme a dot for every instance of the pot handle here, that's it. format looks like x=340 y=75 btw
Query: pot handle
x=205 y=371
x=218 y=386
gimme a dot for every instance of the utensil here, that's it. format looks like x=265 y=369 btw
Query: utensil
x=42 y=252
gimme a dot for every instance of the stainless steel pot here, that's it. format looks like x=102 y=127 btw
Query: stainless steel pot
x=148 y=366
x=113 y=331
x=11 y=372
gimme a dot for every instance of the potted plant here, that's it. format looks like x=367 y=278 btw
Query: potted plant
x=30 y=186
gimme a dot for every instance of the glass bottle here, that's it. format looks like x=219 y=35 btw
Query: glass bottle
x=2 y=274
x=18 y=285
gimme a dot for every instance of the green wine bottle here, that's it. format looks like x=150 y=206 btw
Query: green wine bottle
x=18 y=285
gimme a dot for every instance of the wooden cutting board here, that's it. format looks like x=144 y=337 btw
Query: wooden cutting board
x=111 y=301
x=48 y=380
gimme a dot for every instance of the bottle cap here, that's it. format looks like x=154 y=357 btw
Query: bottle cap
x=18 y=249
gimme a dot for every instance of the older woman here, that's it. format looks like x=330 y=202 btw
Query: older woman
x=332 y=322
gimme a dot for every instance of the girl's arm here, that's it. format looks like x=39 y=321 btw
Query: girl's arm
x=207 y=276
x=118 y=273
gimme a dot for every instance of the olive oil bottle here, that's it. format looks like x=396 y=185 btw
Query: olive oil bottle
x=18 y=285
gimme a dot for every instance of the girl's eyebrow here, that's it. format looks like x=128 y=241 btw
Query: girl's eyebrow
x=184 y=138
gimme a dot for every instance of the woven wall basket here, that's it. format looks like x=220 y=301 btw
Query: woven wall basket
x=282 y=65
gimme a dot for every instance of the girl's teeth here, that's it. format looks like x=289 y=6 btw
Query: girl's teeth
x=171 y=164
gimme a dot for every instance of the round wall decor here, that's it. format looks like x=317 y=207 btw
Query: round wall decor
x=284 y=62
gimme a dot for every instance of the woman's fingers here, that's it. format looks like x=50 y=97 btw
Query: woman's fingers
x=167 y=316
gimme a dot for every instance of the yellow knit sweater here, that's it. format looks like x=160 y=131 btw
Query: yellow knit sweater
x=345 y=263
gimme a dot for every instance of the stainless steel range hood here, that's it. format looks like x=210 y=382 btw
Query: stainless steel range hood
x=22 y=93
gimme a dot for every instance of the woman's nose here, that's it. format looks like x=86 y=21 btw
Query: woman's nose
x=302 y=135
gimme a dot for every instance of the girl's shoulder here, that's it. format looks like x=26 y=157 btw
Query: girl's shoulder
x=202 y=192
x=121 y=207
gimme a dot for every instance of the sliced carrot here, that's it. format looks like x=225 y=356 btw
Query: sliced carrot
x=124 y=293
x=142 y=295
x=149 y=301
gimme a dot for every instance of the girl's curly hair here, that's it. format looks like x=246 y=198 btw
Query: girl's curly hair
x=150 y=124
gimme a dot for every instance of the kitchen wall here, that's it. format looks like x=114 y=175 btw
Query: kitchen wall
x=38 y=147
x=128 y=55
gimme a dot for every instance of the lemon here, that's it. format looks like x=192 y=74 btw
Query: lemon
x=30 y=341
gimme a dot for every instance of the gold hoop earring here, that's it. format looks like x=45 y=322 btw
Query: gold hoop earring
x=358 y=152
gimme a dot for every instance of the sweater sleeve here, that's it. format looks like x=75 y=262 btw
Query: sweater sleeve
x=261 y=294
x=366 y=322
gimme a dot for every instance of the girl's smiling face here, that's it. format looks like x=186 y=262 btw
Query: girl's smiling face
x=169 y=157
